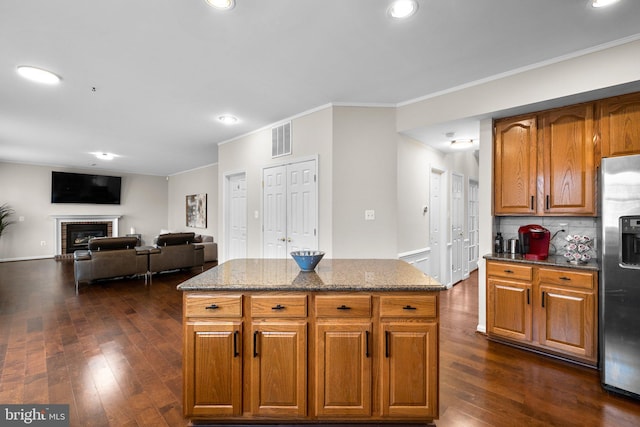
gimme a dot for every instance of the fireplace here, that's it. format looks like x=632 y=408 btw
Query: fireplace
x=78 y=235
x=62 y=222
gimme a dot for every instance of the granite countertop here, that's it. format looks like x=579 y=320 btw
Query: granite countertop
x=551 y=261
x=329 y=275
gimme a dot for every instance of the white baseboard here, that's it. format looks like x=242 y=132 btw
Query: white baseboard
x=26 y=258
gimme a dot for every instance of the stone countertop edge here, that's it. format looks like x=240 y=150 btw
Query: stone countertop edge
x=551 y=261
x=331 y=275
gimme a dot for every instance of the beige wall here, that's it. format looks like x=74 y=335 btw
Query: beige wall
x=364 y=178
x=198 y=181
x=27 y=189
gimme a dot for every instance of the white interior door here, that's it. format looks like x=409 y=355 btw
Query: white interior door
x=236 y=216
x=457 y=227
x=290 y=209
x=473 y=220
x=275 y=212
x=301 y=206
x=435 y=222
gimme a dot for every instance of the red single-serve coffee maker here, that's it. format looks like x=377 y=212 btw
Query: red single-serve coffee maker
x=534 y=241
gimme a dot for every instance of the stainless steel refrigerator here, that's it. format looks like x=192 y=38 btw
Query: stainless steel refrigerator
x=620 y=275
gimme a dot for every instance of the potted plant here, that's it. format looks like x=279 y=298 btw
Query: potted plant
x=5 y=213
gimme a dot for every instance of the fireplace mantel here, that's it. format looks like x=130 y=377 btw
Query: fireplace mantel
x=60 y=219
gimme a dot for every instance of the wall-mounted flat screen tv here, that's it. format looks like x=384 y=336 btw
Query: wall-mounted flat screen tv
x=84 y=188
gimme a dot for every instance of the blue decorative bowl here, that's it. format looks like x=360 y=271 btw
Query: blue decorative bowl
x=307 y=260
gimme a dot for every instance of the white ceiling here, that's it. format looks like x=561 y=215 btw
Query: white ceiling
x=164 y=70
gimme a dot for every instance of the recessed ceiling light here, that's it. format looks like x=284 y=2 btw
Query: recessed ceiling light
x=222 y=4
x=38 y=75
x=104 y=156
x=603 y=3
x=461 y=143
x=401 y=9
x=228 y=119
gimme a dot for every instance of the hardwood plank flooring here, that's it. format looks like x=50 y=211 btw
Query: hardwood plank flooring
x=113 y=353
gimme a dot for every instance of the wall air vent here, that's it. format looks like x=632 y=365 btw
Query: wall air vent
x=281 y=140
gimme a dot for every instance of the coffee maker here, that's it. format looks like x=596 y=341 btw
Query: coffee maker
x=534 y=241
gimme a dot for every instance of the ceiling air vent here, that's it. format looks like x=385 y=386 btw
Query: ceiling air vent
x=281 y=140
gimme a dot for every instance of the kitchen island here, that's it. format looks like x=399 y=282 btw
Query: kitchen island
x=353 y=341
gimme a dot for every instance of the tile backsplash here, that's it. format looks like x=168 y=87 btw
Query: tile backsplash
x=586 y=226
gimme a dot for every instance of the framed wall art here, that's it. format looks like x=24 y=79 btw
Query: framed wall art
x=197 y=210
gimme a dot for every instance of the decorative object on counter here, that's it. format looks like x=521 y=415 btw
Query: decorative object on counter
x=513 y=246
x=578 y=249
x=498 y=243
x=307 y=260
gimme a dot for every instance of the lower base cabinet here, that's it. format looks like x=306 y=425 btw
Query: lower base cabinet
x=289 y=357
x=548 y=309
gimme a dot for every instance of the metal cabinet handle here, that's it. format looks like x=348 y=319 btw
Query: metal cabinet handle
x=565 y=278
x=278 y=307
x=528 y=296
x=236 y=353
x=255 y=343
x=211 y=307
x=408 y=307
x=543 y=292
x=366 y=344
x=509 y=271
x=532 y=203
x=386 y=344
x=343 y=307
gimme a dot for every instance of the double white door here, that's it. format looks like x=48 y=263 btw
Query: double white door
x=290 y=209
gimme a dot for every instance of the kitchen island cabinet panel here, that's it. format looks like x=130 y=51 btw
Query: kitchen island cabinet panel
x=213 y=368
x=409 y=369
x=279 y=369
x=343 y=379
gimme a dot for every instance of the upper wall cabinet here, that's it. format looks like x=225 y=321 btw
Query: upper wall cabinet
x=545 y=163
x=515 y=166
x=568 y=161
x=620 y=125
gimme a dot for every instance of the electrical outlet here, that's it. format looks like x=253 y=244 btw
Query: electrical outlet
x=43 y=243
x=369 y=215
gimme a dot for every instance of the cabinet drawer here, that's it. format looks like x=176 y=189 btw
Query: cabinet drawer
x=574 y=279
x=343 y=306
x=510 y=270
x=279 y=306
x=207 y=305
x=408 y=306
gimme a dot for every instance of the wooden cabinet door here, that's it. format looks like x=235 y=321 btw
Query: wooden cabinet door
x=568 y=161
x=515 y=166
x=343 y=369
x=409 y=383
x=278 y=385
x=509 y=309
x=620 y=125
x=213 y=369
x=567 y=321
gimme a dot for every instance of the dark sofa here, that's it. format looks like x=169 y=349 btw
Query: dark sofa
x=177 y=251
x=110 y=257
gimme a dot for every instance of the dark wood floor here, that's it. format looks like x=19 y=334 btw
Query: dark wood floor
x=113 y=353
